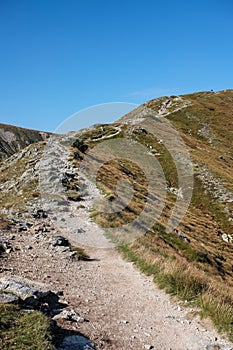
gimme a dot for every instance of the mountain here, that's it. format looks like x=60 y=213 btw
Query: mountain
x=164 y=198
x=13 y=139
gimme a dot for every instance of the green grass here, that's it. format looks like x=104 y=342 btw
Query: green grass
x=178 y=244
x=220 y=312
x=99 y=131
x=80 y=253
x=73 y=196
x=22 y=330
x=165 y=159
x=204 y=200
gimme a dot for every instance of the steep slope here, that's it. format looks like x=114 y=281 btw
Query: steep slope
x=205 y=122
x=13 y=139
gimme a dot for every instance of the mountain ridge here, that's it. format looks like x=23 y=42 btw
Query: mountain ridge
x=14 y=138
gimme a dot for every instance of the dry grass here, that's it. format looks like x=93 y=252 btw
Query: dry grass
x=183 y=280
x=199 y=271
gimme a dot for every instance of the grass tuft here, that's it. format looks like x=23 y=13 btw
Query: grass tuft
x=24 y=330
x=188 y=284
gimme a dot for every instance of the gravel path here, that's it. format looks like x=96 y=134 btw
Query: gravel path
x=124 y=308
x=128 y=309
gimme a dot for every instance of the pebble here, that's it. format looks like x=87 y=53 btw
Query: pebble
x=148 y=347
x=125 y=321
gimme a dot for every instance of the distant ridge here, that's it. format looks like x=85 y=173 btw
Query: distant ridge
x=14 y=138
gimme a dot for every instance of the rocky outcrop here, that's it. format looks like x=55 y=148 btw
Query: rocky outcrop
x=28 y=294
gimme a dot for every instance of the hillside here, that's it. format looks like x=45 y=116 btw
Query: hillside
x=13 y=139
x=163 y=199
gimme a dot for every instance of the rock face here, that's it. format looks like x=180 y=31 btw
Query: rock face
x=13 y=138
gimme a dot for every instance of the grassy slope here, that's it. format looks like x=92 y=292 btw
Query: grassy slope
x=200 y=271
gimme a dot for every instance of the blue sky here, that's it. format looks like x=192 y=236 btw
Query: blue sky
x=61 y=56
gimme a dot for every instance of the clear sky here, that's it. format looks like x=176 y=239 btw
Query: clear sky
x=60 y=56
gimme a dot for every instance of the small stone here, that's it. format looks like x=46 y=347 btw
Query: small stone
x=59 y=241
x=213 y=347
x=69 y=315
x=149 y=347
x=8 y=251
x=125 y=321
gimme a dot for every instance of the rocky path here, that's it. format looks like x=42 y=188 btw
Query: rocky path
x=119 y=307
x=126 y=308
x=123 y=309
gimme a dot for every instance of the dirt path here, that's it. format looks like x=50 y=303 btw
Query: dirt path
x=128 y=309
x=125 y=309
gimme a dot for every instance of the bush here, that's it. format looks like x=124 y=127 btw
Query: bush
x=80 y=145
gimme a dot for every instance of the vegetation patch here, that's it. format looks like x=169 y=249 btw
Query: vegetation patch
x=24 y=330
x=190 y=285
x=80 y=253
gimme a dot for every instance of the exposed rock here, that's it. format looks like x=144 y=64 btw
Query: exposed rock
x=176 y=191
x=149 y=347
x=14 y=138
x=22 y=227
x=59 y=241
x=213 y=347
x=76 y=342
x=214 y=185
x=182 y=236
x=28 y=295
x=41 y=228
x=227 y=238
x=7 y=298
x=206 y=132
x=5 y=246
x=40 y=214
x=69 y=315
